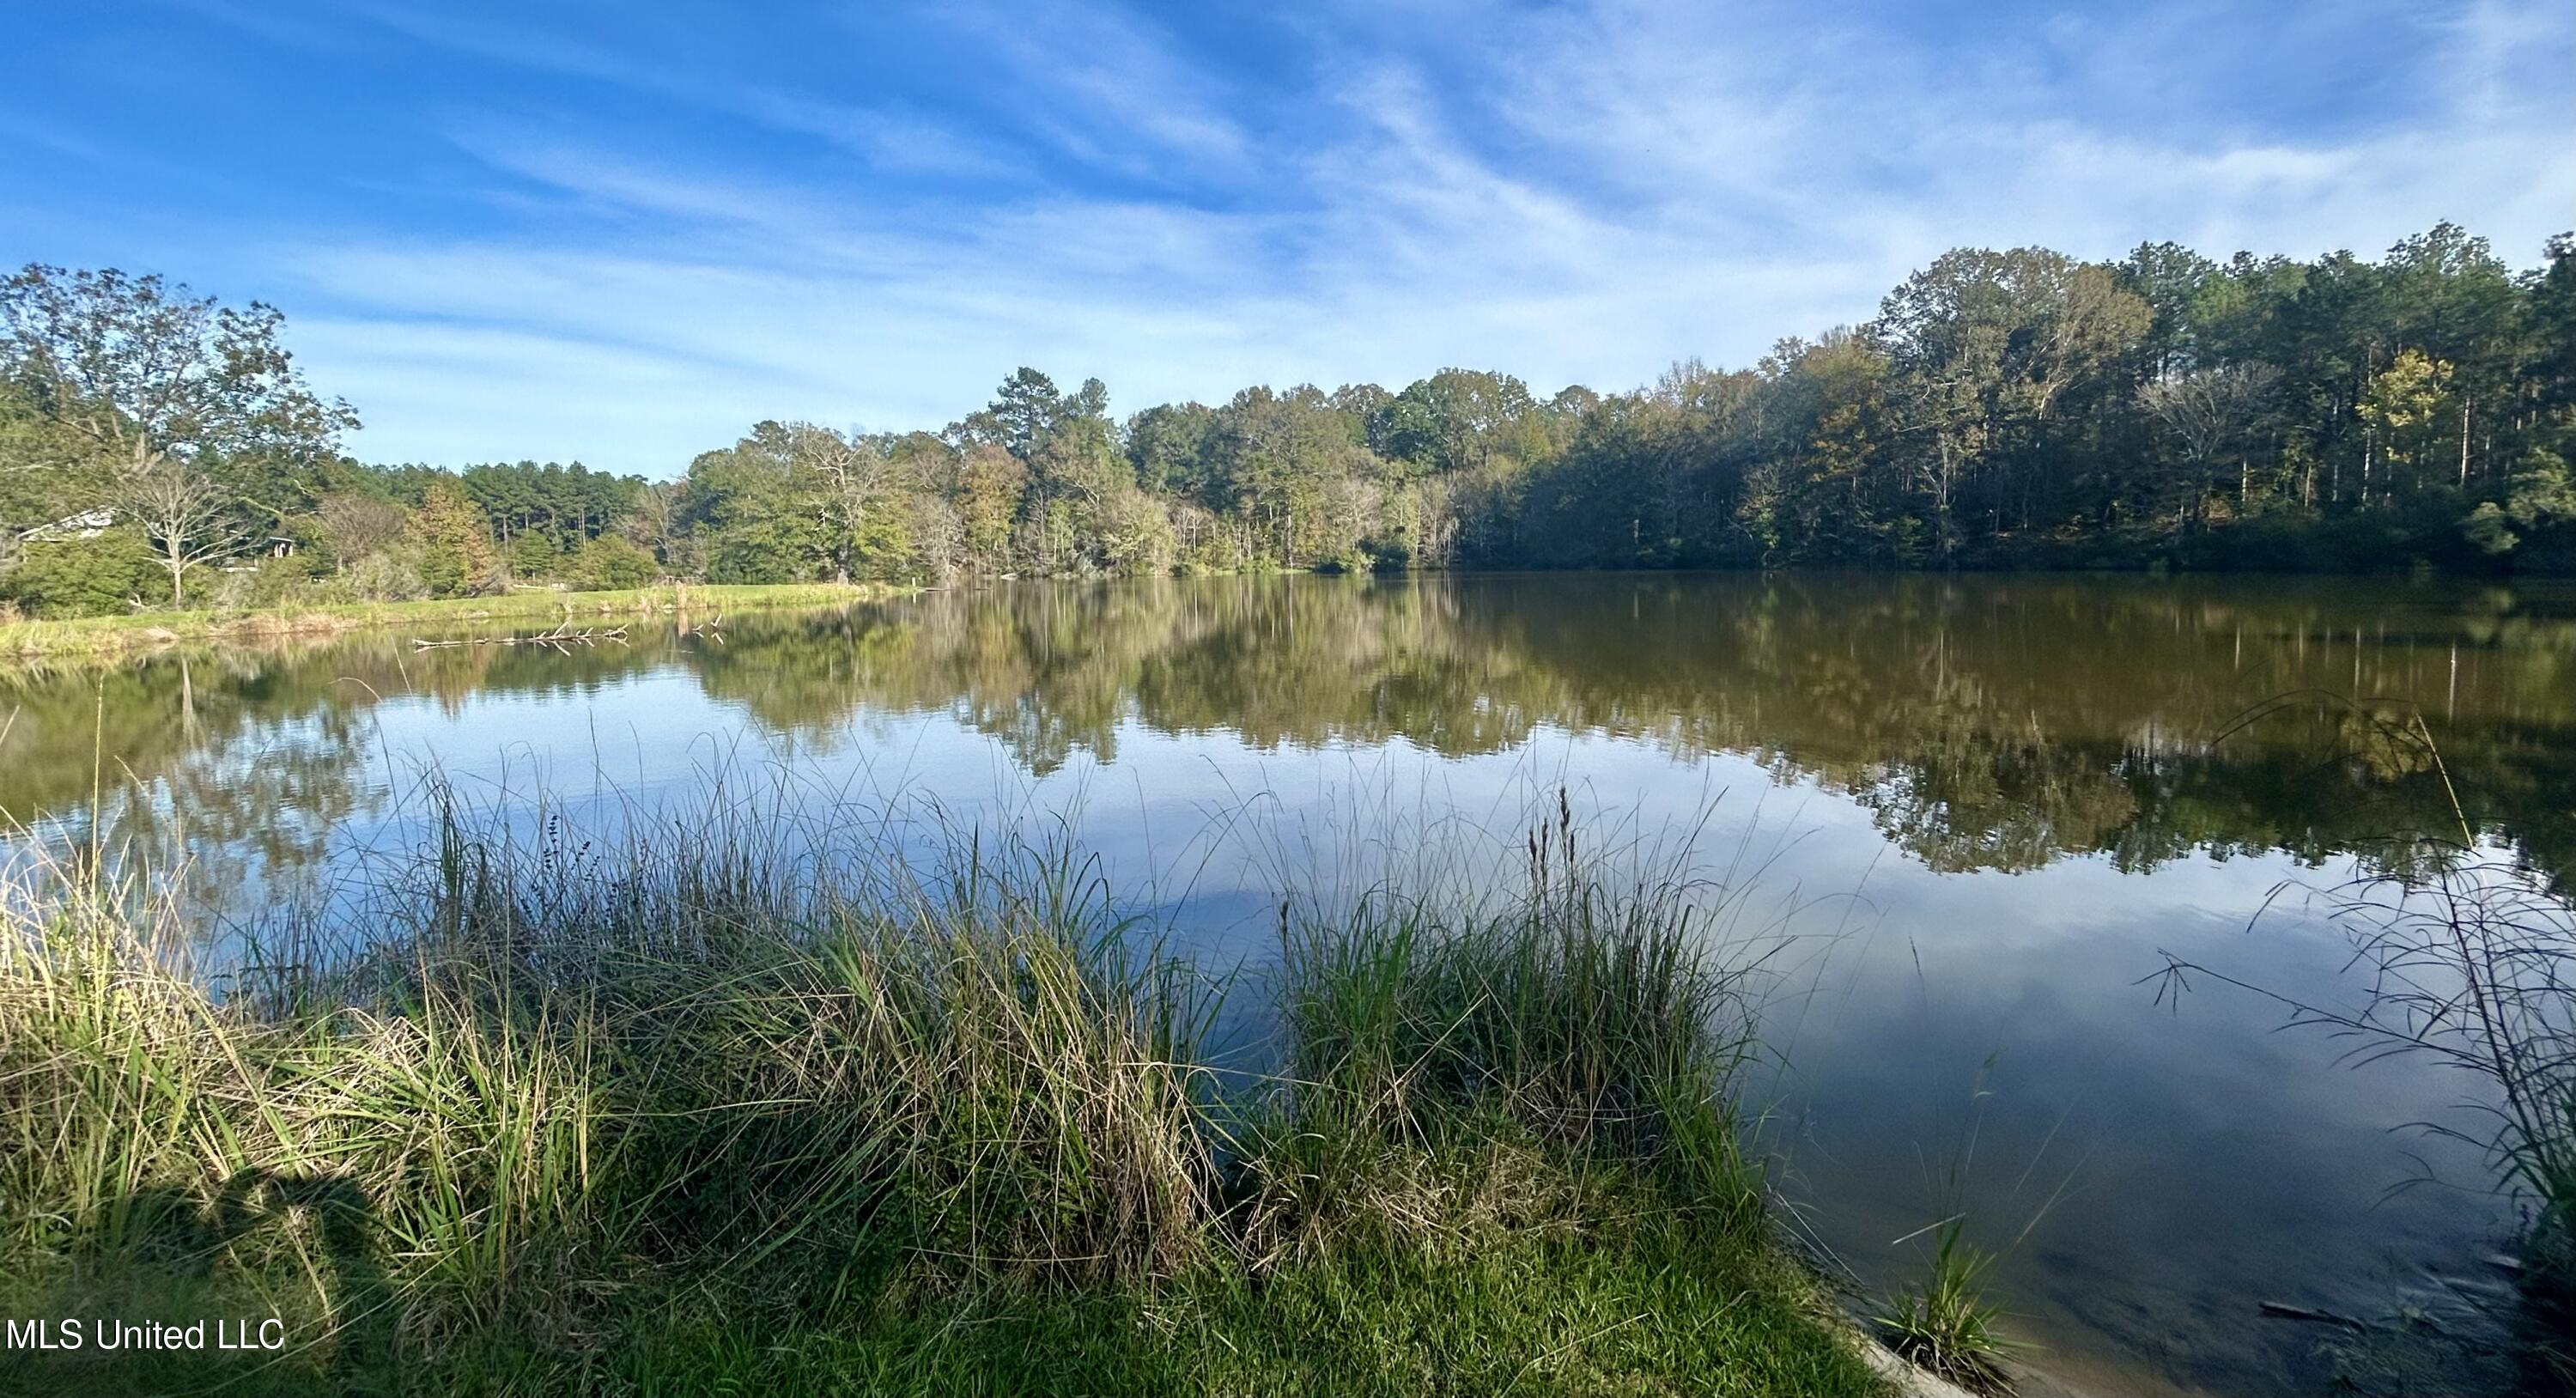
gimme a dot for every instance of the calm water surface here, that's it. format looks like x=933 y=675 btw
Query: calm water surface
x=1980 y=807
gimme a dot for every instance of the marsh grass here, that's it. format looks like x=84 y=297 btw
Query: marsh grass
x=108 y=636
x=1948 y=1322
x=1579 y=1021
x=697 y=1106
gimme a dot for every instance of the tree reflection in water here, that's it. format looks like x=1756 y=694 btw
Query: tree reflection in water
x=1984 y=723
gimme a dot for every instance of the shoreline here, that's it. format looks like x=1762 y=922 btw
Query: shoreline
x=31 y=638
x=143 y=631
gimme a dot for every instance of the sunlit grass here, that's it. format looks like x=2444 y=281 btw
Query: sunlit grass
x=1947 y=1323
x=689 y=1108
x=109 y=635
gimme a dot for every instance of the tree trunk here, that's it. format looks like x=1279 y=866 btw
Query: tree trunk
x=2464 y=441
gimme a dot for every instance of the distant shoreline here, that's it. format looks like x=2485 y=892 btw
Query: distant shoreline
x=111 y=635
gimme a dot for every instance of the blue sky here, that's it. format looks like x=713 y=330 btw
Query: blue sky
x=623 y=232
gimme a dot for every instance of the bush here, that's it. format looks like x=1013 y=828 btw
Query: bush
x=534 y=555
x=270 y=582
x=609 y=563
x=740 y=560
x=382 y=577
x=89 y=577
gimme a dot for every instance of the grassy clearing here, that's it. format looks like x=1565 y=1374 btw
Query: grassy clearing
x=681 y=1113
x=112 y=635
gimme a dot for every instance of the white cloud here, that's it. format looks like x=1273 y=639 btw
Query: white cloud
x=1105 y=86
x=1571 y=196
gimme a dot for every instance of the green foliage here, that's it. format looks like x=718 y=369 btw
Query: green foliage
x=2005 y=409
x=534 y=556
x=121 y=372
x=456 y=554
x=564 y=506
x=609 y=563
x=755 y=513
x=86 y=577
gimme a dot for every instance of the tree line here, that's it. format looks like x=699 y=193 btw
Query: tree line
x=2013 y=409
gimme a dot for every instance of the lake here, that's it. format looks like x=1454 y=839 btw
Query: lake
x=1968 y=816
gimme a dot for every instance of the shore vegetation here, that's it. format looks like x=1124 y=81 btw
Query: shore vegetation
x=688 y=1109
x=118 y=633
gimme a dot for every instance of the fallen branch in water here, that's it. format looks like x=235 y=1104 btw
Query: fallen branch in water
x=560 y=637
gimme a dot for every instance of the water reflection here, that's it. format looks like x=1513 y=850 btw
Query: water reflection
x=1984 y=723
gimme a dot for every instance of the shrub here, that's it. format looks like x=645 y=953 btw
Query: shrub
x=382 y=577
x=88 y=577
x=269 y=582
x=609 y=563
x=534 y=555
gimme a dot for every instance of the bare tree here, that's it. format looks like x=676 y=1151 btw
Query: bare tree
x=938 y=535
x=185 y=515
x=2206 y=410
x=357 y=525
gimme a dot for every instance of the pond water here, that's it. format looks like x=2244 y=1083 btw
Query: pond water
x=1979 y=809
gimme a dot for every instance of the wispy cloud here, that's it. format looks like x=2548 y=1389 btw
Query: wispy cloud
x=1575 y=193
x=1106 y=86
x=887 y=136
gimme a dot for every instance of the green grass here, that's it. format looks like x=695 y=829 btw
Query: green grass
x=1947 y=1324
x=683 y=1112
x=141 y=630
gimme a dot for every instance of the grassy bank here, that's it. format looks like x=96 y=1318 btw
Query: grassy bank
x=144 y=630
x=684 y=1113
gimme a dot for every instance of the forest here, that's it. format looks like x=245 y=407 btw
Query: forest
x=2003 y=410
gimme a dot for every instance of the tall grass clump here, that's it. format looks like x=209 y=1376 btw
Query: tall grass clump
x=1503 y=1055
x=736 y=1101
x=1949 y=1322
x=971 y=1049
x=554 y=1075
